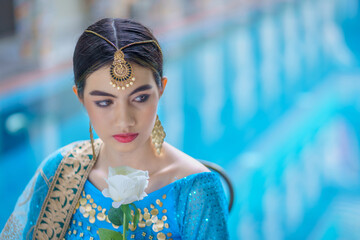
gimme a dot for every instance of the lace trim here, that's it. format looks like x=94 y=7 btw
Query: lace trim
x=64 y=192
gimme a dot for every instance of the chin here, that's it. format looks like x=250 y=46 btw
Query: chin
x=123 y=147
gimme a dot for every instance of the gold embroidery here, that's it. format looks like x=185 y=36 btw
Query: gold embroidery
x=146 y=215
x=64 y=192
x=83 y=201
x=141 y=224
x=161 y=236
x=158 y=202
x=152 y=218
x=66 y=195
x=154 y=212
x=101 y=216
x=12 y=229
x=132 y=227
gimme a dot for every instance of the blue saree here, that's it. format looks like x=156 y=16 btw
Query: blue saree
x=60 y=203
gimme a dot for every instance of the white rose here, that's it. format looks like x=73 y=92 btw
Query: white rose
x=126 y=185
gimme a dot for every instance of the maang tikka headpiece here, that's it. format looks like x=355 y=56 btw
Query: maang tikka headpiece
x=121 y=70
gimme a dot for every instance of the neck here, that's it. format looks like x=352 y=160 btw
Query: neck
x=141 y=158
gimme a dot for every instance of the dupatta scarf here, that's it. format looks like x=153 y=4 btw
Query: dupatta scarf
x=44 y=209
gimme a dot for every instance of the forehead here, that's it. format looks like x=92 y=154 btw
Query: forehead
x=100 y=79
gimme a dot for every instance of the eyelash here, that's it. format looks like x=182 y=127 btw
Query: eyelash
x=105 y=103
x=142 y=98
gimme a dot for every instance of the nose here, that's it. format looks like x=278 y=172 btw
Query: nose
x=124 y=117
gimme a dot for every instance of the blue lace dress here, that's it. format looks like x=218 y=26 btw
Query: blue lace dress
x=193 y=207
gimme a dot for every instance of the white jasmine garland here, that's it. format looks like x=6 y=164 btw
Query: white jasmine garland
x=126 y=185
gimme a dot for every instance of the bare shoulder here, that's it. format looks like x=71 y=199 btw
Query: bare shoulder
x=182 y=165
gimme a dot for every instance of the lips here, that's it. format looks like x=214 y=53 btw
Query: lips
x=125 y=138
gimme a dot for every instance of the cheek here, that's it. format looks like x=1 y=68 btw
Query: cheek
x=97 y=117
x=92 y=111
x=149 y=115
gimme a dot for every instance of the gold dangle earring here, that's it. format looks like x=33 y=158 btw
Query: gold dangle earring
x=158 y=135
x=92 y=140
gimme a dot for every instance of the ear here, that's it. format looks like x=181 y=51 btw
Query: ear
x=76 y=93
x=164 y=82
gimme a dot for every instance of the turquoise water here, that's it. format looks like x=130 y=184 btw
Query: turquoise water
x=273 y=97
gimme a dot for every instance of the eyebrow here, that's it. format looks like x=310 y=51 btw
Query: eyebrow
x=101 y=93
x=139 y=89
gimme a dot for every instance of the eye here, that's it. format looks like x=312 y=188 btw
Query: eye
x=103 y=103
x=142 y=98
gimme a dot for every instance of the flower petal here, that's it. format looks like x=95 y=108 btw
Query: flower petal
x=116 y=204
x=126 y=185
x=106 y=192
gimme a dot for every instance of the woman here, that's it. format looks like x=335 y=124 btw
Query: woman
x=63 y=200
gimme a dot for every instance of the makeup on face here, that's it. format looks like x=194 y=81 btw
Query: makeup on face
x=105 y=103
x=123 y=119
x=126 y=137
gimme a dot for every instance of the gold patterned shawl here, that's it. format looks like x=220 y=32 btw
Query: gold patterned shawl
x=64 y=192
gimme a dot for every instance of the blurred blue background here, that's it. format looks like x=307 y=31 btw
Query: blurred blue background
x=269 y=90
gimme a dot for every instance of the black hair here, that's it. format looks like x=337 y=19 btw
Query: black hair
x=92 y=52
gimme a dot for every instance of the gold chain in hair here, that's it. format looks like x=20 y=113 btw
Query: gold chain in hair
x=121 y=70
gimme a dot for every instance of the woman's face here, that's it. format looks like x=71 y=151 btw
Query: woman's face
x=123 y=119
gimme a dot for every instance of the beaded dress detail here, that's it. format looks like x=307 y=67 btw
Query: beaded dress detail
x=193 y=207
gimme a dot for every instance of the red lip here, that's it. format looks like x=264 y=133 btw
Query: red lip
x=125 y=138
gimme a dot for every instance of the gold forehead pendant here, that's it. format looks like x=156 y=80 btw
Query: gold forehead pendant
x=120 y=70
